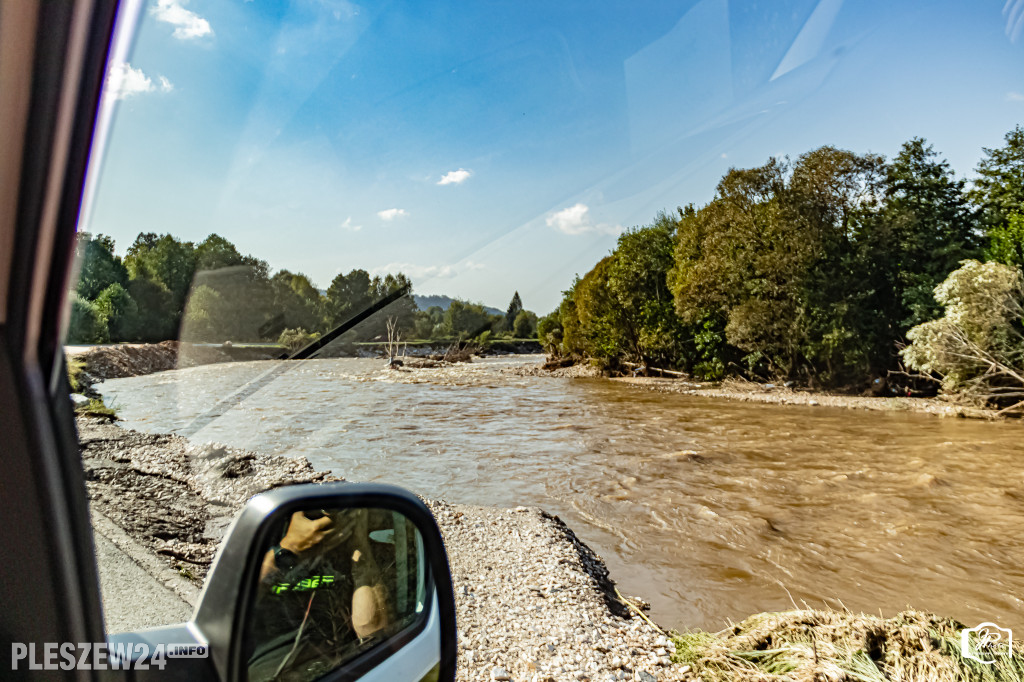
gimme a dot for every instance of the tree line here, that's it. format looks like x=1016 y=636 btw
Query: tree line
x=166 y=288
x=815 y=270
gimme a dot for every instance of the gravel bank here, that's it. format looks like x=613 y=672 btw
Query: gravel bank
x=780 y=395
x=533 y=601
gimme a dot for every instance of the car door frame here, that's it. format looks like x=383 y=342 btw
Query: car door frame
x=52 y=64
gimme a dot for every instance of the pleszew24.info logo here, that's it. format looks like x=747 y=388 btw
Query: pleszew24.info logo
x=100 y=656
x=984 y=643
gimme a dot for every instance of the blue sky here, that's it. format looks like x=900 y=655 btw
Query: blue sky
x=484 y=148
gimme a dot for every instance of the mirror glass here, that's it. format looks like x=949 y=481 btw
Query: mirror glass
x=333 y=584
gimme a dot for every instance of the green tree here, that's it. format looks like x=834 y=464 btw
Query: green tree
x=515 y=306
x=525 y=324
x=121 y=312
x=155 y=318
x=297 y=301
x=549 y=332
x=87 y=324
x=202 y=321
x=927 y=230
x=1006 y=242
x=100 y=267
x=168 y=265
x=999 y=189
x=464 y=319
x=348 y=295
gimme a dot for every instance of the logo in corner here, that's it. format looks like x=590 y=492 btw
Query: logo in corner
x=984 y=642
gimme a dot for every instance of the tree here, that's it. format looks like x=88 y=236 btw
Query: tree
x=156 y=317
x=121 y=312
x=348 y=295
x=1006 y=242
x=549 y=332
x=928 y=230
x=87 y=324
x=524 y=326
x=297 y=301
x=464 y=319
x=977 y=347
x=100 y=267
x=202 y=321
x=999 y=190
x=165 y=261
x=515 y=306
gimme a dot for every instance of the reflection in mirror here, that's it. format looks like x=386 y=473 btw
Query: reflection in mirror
x=333 y=583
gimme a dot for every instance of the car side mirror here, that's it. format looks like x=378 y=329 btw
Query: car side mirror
x=334 y=581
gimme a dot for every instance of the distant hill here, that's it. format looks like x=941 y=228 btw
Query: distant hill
x=442 y=302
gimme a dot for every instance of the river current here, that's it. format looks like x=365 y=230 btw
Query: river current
x=710 y=509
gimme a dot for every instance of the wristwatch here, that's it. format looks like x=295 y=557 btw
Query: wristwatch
x=284 y=559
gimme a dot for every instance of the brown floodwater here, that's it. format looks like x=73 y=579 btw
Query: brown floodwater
x=710 y=509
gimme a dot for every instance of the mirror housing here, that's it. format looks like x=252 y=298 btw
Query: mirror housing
x=219 y=622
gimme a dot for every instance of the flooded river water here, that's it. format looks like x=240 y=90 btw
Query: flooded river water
x=710 y=509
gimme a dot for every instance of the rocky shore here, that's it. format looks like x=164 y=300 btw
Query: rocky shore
x=533 y=601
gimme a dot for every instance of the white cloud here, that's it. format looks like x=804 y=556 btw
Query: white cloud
x=124 y=81
x=420 y=272
x=455 y=177
x=575 y=220
x=392 y=213
x=1014 y=97
x=187 y=24
x=347 y=225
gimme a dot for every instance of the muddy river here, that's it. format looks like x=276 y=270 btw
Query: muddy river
x=710 y=509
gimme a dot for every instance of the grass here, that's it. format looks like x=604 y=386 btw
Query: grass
x=832 y=645
x=96 y=408
x=75 y=368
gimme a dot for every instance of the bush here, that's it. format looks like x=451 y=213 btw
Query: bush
x=977 y=347
x=88 y=324
x=294 y=339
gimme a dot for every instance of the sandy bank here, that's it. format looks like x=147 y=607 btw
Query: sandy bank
x=776 y=394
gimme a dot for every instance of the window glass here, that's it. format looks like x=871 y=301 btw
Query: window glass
x=712 y=281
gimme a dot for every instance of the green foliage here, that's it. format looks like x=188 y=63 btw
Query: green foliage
x=295 y=339
x=999 y=188
x=120 y=310
x=977 y=347
x=99 y=266
x=96 y=408
x=515 y=307
x=549 y=332
x=928 y=227
x=525 y=325
x=1006 y=242
x=167 y=288
x=75 y=367
x=812 y=270
x=87 y=324
x=465 y=320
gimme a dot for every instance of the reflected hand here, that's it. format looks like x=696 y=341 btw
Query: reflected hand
x=304 y=534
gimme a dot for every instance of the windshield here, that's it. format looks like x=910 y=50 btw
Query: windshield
x=706 y=280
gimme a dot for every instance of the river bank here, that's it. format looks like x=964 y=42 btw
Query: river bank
x=776 y=394
x=533 y=601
